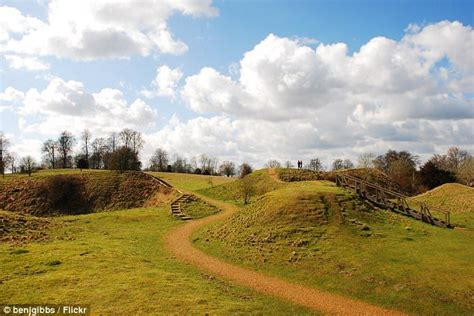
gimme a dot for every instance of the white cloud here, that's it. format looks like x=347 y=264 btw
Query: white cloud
x=415 y=93
x=27 y=63
x=66 y=105
x=165 y=83
x=92 y=29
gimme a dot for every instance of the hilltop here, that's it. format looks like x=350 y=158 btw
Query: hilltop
x=453 y=197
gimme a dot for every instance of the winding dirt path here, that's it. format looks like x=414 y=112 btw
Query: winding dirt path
x=179 y=243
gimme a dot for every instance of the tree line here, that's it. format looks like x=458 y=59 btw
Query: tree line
x=456 y=165
x=121 y=151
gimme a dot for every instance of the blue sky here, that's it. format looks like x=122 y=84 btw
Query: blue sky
x=220 y=41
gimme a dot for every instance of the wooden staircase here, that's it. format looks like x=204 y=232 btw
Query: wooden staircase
x=176 y=209
x=394 y=201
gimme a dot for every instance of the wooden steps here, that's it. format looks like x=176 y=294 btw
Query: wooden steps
x=394 y=201
x=176 y=209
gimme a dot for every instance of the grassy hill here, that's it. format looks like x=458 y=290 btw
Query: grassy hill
x=323 y=236
x=73 y=193
x=262 y=181
x=453 y=197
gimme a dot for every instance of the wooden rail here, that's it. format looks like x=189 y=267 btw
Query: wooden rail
x=394 y=201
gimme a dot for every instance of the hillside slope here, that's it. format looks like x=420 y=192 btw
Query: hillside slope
x=79 y=193
x=453 y=197
x=324 y=236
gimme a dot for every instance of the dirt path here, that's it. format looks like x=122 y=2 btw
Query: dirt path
x=178 y=242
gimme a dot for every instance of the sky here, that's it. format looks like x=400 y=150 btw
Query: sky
x=241 y=80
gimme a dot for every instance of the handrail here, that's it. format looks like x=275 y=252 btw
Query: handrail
x=403 y=200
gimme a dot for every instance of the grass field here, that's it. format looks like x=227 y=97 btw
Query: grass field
x=192 y=182
x=116 y=262
x=297 y=232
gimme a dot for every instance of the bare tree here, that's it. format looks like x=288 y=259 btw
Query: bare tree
x=456 y=158
x=12 y=159
x=113 y=142
x=289 y=164
x=159 y=160
x=50 y=150
x=466 y=172
x=347 y=164
x=4 y=142
x=86 y=138
x=366 y=160
x=65 y=143
x=244 y=170
x=246 y=189
x=315 y=165
x=131 y=139
x=273 y=164
x=338 y=164
x=227 y=168
x=99 y=150
x=28 y=164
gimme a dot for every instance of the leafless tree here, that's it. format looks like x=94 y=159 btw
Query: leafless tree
x=65 y=143
x=4 y=142
x=466 y=172
x=273 y=164
x=86 y=138
x=50 y=150
x=338 y=164
x=28 y=164
x=289 y=164
x=159 y=160
x=99 y=149
x=246 y=189
x=227 y=168
x=12 y=159
x=315 y=165
x=131 y=139
x=366 y=160
x=244 y=170
x=113 y=142
x=347 y=164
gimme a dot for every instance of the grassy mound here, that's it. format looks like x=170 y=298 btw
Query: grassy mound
x=198 y=208
x=324 y=236
x=261 y=180
x=78 y=193
x=453 y=197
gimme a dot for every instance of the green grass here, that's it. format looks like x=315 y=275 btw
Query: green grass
x=192 y=182
x=199 y=209
x=116 y=262
x=47 y=172
x=230 y=192
x=297 y=232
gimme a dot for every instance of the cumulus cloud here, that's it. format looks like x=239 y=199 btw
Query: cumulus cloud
x=165 y=83
x=92 y=29
x=26 y=63
x=414 y=93
x=66 y=105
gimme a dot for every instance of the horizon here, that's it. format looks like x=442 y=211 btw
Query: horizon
x=295 y=81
